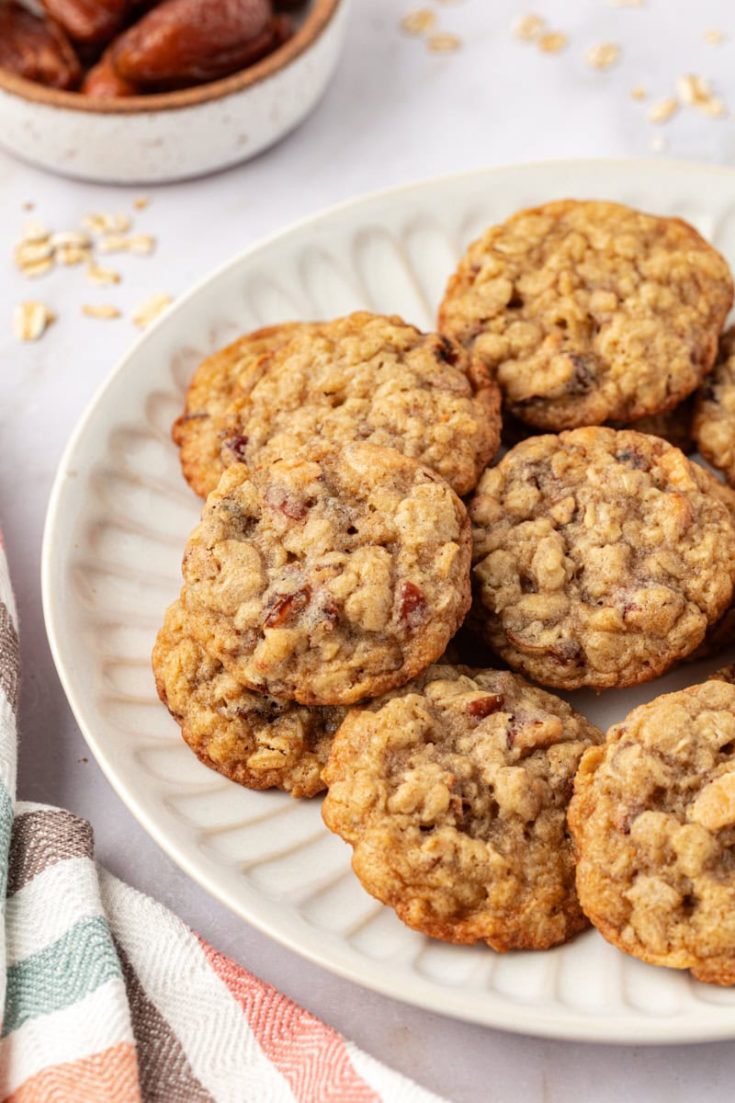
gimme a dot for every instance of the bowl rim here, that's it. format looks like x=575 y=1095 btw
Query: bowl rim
x=316 y=22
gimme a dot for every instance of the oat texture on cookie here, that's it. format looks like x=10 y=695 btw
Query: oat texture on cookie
x=589 y=312
x=208 y=432
x=255 y=740
x=653 y=819
x=334 y=575
x=453 y=792
x=714 y=414
x=600 y=557
x=365 y=377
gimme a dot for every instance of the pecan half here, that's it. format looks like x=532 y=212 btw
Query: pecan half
x=485 y=706
x=284 y=607
x=411 y=604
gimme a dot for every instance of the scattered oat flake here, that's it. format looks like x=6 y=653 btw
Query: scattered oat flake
x=107 y=222
x=443 y=42
x=31 y=319
x=114 y=243
x=148 y=311
x=603 y=55
x=29 y=252
x=33 y=230
x=103 y=276
x=70 y=237
x=69 y=255
x=120 y=222
x=141 y=244
x=101 y=310
x=663 y=110
x=638 y=92
x=141 y=202
x=529 y=27
x=33 y=269
x=95 y=223
x=658 y=143
x=552 y=42
x=714 y=107
x=419 y=21
x=693 y=89
x=714 y=38
x=696 y=92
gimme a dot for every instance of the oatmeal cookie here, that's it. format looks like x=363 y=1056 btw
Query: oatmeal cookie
x=453 y=792
x=208 y=433
x=653 y=819
x=714 y=414
x=601 y=556
x=334 y=575
x=364 y=378
x=590 y=312
x=256 y=740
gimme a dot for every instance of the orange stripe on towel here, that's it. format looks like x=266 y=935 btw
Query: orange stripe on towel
x=311 y=1057
x=107 y=1077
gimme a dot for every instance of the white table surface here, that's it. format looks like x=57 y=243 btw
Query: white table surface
x=394 y=114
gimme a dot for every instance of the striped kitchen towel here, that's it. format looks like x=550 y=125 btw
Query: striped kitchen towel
x=107 y=997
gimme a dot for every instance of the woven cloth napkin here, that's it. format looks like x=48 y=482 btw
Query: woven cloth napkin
x=109 y=997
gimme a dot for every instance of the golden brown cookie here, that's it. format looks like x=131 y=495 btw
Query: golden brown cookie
x=453 y=792
x=364 y=378
x=601 y=557
x=331 y=576
x=590 y=312
x=256 y=740
x=714 y=414
x=653 y=819
x=208 y=432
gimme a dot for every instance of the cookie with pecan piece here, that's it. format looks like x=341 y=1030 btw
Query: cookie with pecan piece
x=208 y=433
x=333 y=575
x=256 y=740
x=600 y=557
x=590 y=312
x=653 y=819
x=453 y=792
x=364 y=378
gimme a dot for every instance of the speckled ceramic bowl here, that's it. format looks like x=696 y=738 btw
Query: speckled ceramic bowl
x=174 y=135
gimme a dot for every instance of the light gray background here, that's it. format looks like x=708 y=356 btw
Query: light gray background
x=395 y=113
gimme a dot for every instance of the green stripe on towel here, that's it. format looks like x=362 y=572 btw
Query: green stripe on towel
x=61 y=974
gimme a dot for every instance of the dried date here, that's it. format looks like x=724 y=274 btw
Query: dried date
x=36 y=49
x=104 y=82
x=89 y=21
x=194 y=40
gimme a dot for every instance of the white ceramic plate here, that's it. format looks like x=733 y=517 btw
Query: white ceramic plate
x=117 y=522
